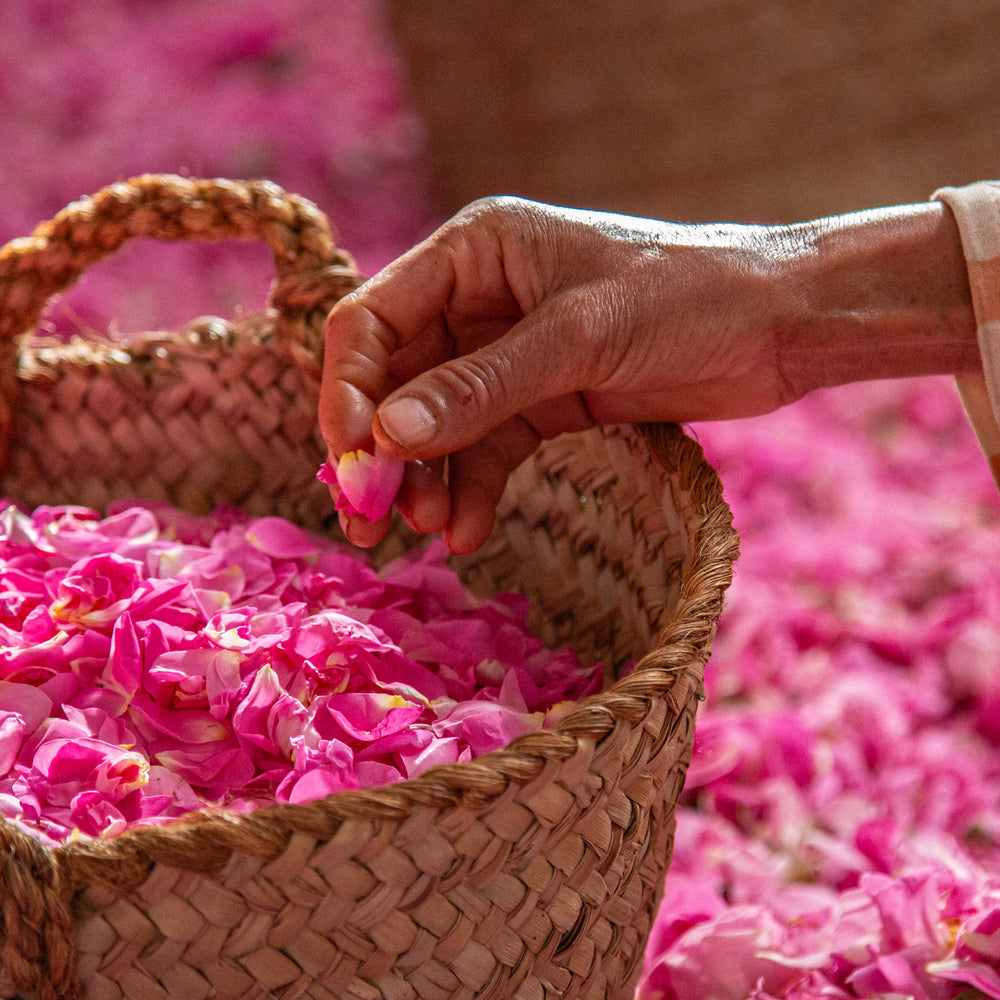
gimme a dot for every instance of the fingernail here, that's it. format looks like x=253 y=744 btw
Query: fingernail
x=408 y=421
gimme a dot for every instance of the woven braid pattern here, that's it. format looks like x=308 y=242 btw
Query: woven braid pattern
x=311 y=272
x=533 y=872
x=218 y=413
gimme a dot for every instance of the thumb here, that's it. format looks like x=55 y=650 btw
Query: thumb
x=458 y=402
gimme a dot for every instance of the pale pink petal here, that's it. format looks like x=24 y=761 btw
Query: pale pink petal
x=12 y=729
x=368 y=483
x=485 y=726
x=979 y=936
x=978 y=975
x=185 y=726
x=372 y=773
x=214 y=771
x=123 y=667
x=26 y=700
x=441 y=750
x=223 y=679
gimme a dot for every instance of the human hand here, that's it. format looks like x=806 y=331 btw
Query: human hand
x=518 y=321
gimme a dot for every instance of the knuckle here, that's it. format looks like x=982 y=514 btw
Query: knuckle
x=492 y=217
x=492 y=207
x=478 y=382
x=337 y=311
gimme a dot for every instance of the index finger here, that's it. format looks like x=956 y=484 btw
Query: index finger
x=366 y=328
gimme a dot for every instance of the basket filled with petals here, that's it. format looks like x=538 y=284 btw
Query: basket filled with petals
x=239 y=758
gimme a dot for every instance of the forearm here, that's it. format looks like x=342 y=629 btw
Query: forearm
x=879 y=294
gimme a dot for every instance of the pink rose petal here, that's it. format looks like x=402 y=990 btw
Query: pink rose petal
x=280 y=538
x=368 y=483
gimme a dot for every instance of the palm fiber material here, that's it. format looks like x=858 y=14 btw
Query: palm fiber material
x=532 y=872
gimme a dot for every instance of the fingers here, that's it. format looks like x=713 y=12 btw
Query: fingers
x=486 y=410
x=459 y=402
x=477 y=478
x=465 y=509
x=362 y=532
x=363 y=332
x=461 y=289
x=424 y=500
x=432 y=358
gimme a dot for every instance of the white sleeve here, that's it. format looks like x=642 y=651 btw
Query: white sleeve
x=977 y=210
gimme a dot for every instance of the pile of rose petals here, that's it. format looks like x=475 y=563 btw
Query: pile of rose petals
x=839 y=834
x=152 y=663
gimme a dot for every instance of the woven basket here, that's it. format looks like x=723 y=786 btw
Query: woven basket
x=530 y=872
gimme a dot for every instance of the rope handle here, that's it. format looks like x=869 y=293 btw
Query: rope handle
x=312 y=273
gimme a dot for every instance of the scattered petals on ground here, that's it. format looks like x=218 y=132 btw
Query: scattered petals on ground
x=839 y=834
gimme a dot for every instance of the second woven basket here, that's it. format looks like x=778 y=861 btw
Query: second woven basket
x=527 y=873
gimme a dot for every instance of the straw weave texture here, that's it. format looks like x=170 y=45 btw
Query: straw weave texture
x=704 y=110
x=532 y=872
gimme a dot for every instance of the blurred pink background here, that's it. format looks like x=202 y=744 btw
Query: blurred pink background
x=306 y=93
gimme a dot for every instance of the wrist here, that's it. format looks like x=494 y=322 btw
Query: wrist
x=881 y=294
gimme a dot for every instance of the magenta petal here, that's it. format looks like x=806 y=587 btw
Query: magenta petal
x=372 y=772
x=95 y=816
x=364 y=716
x=186 y=726
x=319 y=771
x=368 y=483
x=62 y=768
x=96 y=590
x=316 y=785
x=280 y=538
x=268 y=717
x=979 y=975
x=11 y=734
x=27 y=701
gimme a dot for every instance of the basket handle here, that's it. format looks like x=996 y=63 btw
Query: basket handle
x=312 y=273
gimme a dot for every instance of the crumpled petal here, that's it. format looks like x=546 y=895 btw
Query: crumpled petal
x=269 y=717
